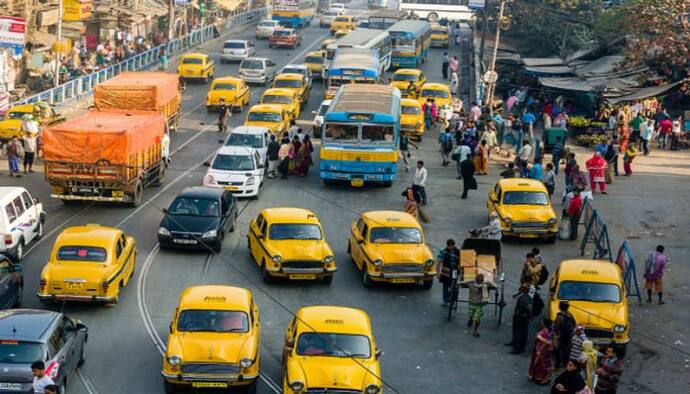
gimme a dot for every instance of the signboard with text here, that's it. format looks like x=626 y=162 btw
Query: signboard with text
x=12 y=31
x=76 y=10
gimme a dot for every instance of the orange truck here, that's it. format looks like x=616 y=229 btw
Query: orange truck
x=105 y=156
x=142 y=91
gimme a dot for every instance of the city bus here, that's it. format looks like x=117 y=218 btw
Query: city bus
x=359 y=136
x=377 y=4
x=433 y=10
x=294 y=13
x=411 y=41
x=383 y=19
x=367 y=39
x=352 y=66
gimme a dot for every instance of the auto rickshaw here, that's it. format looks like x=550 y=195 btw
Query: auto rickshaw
x=551 y=135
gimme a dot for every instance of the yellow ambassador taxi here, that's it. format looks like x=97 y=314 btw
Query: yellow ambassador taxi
x=196 y=66
x=596 y=293
x=524 y=208
x=214 y=340
x=295 y=82
x=343 y=22
x=438 y=91
x=11 y=123
x=411 y=118
x=290 y=243
x=88 y=263
x=286 y=98
x=390 y=246
x=273 y=117
x=340 y=33
x=229 y=91
x=316 y=61
x=439 y=36
x=330 y=349
x=402 y=78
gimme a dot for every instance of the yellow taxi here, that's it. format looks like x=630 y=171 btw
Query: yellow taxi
x=390 y=246
x=524 y=208
x=330 y=349
x=214 y=340
x=343 y=22
x=296 y=82
x=290 y=243
x=438 y=91
x=340 y=33
x=402 y=78
x=439 y=36
x=273 y=117
x=596 y=293
x=286 y=98
x=88 y=263
x=325 y=43
x=411 y=118
x=229 y=91
x=196 y=66
x=11 y=123
x=316 y=61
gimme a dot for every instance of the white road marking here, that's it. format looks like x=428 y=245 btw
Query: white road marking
x=86 y=382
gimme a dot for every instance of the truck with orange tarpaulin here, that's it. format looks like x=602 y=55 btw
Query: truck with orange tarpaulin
x=105 y=156
x=142 y=91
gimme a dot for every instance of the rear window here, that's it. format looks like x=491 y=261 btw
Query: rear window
x=252 y=65
x=11 y=212
x=267 y=24
x=234 y=45
x=19 y=352
x=192 y=60
x=82 y=253
x=342 y=19
x=314 y=59
x=224 y=86
x=282 y=33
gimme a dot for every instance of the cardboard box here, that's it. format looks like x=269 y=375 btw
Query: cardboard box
x=489 y=274
x=468 y=258
x=487 y=262
x=469 y=273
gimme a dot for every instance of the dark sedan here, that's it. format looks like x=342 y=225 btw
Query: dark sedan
x=11 y=283
x=198 y=219
x=28 y=335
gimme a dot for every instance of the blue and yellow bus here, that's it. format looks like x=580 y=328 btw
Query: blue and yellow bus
x=359 y=136
x=294 y=13
x=411 y=41
x=352 y=66
x=367 y=39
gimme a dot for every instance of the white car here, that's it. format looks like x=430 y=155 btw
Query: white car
x=257 y=70
x=328 y=17
x=339 y=7
x=21 y=221
x=318 y=118
x=236 y=50
x=265 y=28
x=250 y=136
x=299 y=69
x=238 y=169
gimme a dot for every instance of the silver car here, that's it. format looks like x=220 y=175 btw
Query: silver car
x=265 y=28
x=328 y=17
x=236 y=50
x=257 y=70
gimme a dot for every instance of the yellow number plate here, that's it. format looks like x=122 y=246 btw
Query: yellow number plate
x=231 y=188
x=302 y=276
x=403 y=280
x=357 y=182
x=210 y=384
x=74 y=286
x=118 y=194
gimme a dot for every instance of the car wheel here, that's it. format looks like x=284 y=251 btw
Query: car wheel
x=327 y=279
x=20 y=296
x=82 y=356
x=265 y=276
x=251 y=389
x=19 y=250
x=114 y=301
x=39 y=233
x=349 y=248
x=137 y=194
x=216 y=247
x=551 y=239
x=234 y=224
x=428 y=284
x=366 y=279
x=169 y=388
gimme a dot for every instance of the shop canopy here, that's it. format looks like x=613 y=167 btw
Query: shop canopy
x=644 y=93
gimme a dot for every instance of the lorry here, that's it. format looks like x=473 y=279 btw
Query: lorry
x=142 y=91
x=105 y=155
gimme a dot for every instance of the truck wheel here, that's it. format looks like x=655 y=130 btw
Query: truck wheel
x=161 y=175
x=137 y=194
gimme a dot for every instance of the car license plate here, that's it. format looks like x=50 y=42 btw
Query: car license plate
x=357 y=182
x=302 y=276
x=184 y=241
x=10 y=386
x=231 y=188
x=210 y=384
x=403 y=280
x=118 y=194
x=74 y=286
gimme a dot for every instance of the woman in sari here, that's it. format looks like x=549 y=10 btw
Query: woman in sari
x=483 y=150
x=304 y=156
x=540 y=363
x=596 y=166
x=294 y=150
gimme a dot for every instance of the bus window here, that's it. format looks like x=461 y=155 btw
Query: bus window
x=375 y=133
x=341 y=132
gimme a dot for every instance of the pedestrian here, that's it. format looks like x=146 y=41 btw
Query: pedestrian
x=454 y=83
x=654 y=267
x=29 y=145
x=493 y=229
x=304 y=156
x=13 y=151
x=509 y=172
x=428 y=114
x=563 y=326
x=483 y=151
x=447 y=267
x=471 y=131
x=547 y=115
x=41 y=380
x=468 y=181
x=665 y=128
x=528 y=120
x=536 y=172
x=411 y=201
x=293 y=164
x=628 y=158
x=549 y=179
x=445 y=139
x=444 y=65
x=635 y=124
x=611 y=157
x=523 y=158
x=475 y=112
x=462 y=151
x=522 y=314
x=540 y=363
x=596 y=166
x=556 y=152
x=569 y=381
x=609 y=372
x=405 y=150
x=646 y=130
x=419 y=181
x=531 y=270
x=562 y=120
x=588 y=362
x=574 y=209
x=51 y=389
x=578 y=337
x=454 y=64
x=570 y=164
x=273 y=158
x=284 y=157
x=537 y=255
x=676 y=133
x=163 y=57
x=477 y=299
x=490 y=137
x=223 y=114
x=579 y=179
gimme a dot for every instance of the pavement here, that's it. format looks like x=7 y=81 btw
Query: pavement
x=423 y=352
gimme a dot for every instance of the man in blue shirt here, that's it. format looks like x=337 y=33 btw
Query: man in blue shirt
x=528 y=123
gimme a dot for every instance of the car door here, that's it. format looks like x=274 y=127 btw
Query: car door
x=288 y=343
x=128 y=257
x=360 y=241
x=31 y=216
x=71 y=345
x=7 y=288
x=254 y=237
x=259 y=168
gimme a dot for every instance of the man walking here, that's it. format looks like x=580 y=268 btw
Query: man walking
x=563 y=326
x=461 y=152
x=528 y=120
x=41 y=380
x=447 y=267
x=467 y=171
x=446 y=141
x=419 y=181
x=29 y=143
x=556 y=152
x=654 y=267
x=444 y=65
x=574 y=210
x=475 y=112
x=273 y=158
x=521 y=317
x=646 y=130
x=13 y=150
x=478 y=297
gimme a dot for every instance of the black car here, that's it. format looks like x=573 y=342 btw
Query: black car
x=198 y=219
x=28 y=335
x=11 y=283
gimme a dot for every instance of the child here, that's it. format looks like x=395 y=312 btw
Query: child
x=630 y=154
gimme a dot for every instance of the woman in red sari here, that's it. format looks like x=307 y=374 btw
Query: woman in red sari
x=304 y=156
x=596 y=166
x=540 y=363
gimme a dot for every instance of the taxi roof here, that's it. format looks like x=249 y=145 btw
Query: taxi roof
x=435 y=86
x=88 y=235
x=320 y=53
x=228 y=79
x=521 y=184
x=279 y=92
x=22 y=108
x=194 y=55
x=589 y=270
x=410 y=103
x=266 y=108
x=408 y=71
x=289 y=215
x=391 y=218
x=215 y=297
x=289 y=76
x=333 y=319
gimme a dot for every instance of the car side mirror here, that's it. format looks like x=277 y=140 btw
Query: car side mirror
x=165 y=210
x=207 y=163
x=170 y=327
x=379 y=353
x=81 y=327
x=16 y=268
x=221 y=142
x=290 y=343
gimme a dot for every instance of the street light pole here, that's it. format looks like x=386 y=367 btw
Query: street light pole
x=59 y=44
x=492 y=67
x=171 y=19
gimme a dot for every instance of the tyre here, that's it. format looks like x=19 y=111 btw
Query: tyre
x=551 y=239
x=218 y=245
x=138 y=193
x=169 y=388
x=327 y=280
x=428 y=284
x=114 y=301
x=19 y=250
x=251 y=389
x=366 y=279
x=82 y=356
x=234 y=224
x=265 y=276
x=39 y=230
x=387 y=183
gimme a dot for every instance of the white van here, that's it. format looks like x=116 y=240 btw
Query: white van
x=257 y=70
x=236 y=50
x=21 y=221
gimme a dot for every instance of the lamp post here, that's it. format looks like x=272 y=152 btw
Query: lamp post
x=59 y=45
x=492 y=67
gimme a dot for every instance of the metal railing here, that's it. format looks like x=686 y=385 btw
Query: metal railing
x=78 y=88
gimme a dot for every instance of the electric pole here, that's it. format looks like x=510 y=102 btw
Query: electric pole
x=59 y=44
x=492 y=67
x=171 y=19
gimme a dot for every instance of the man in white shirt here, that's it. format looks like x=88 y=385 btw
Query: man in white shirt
x=165 y=148
x=523 y=158
x=41 y=380
x=419 y=181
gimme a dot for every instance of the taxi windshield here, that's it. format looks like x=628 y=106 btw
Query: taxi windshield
x=406 y=77
x=589 y=291
x=233 y=163
x=235 y=45
x=294 y=231
x=333 y=345
x=264 y=116
x=314 y=59
x=82 y=253
x=409 y=110
x=212 y=321
x=191 y=206
x=192 y=60
x=439 y=30
x=253 y=140
x=525 y=198
x=224 y=86
x=275 y=99
x=19 y=352
x=291 y=70
x=16 y=115
x=395 y=235
x=434 y=93
x=288 y=83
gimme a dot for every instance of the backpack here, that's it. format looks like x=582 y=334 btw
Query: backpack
x=650 y=263
x=567 y=327
x=543 y=275
x=447 y=145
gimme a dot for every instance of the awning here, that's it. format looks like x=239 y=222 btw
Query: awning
x=601 y=66
x=644 y=93
x=545 y=71
x=612 y=86
x=542 y=61
x=229 y=5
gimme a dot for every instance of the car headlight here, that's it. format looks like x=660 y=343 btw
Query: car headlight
x=507 y=219
x=209 y=234
x=277 y=259
x=329 y=259
x=164 y=231
x=378 y=262
x=174 y=360
x=619 y=328
x=297 y=386
x=250 y=181
x=246 y=363
x=429 y=263
x=373 y=389
x=552 y=221
x=210 y=180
